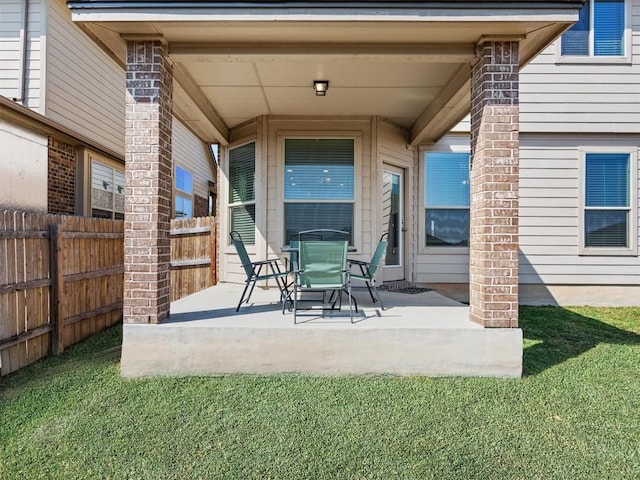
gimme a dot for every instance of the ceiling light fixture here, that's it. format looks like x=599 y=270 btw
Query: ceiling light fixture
x=320 y=87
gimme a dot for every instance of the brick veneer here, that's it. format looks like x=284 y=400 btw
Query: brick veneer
x=200 y=206
x=61 y=177
x=494 y=186
x=148 y=182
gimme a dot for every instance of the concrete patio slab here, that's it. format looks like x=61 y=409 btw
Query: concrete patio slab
x=416 y=334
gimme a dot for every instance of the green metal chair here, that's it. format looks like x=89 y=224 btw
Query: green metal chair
x=254 y=270
x=368 y=270
x=322 y=267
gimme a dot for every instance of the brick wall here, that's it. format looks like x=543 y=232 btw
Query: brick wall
x=61 y=181
x=200 y=206
x=493 y=285
x=149 y=177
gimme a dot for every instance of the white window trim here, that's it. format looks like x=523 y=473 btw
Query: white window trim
x=90 y=157
x=181 y=193
x=223 y=197
x=357 y=172
x=632 y=249
x=422 y=227
x=625 y=59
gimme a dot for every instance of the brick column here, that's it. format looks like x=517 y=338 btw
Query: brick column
x=148 y=174
x=494 y=186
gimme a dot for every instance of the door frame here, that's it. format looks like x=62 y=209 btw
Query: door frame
x=397 y=272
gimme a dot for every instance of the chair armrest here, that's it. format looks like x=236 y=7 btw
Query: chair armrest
x=356 y=262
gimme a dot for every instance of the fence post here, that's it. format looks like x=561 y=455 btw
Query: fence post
x=212 y=252
x=57 y=289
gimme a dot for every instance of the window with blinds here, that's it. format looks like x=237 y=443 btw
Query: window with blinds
x=318 y=185
x=107 y=191
x=607 y=206
x=183 y=198
x=599 y=32
x=242 y=194
x=447 y=197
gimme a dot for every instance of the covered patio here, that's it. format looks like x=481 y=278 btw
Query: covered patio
x=401 y=75
x=423 y=333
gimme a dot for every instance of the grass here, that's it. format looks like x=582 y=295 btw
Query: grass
x=575 y=414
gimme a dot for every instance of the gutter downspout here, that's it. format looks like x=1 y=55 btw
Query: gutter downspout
x=22 y=72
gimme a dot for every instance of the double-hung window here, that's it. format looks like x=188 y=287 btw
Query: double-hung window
x=242 y=191
x=318 y=185
x=447 y=198
x=183 y=198
x=608 y=221
x=599 y=32
x=107 y=191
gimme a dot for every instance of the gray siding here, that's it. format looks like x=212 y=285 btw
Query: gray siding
x=549 y=215
x=192 y=154
x=85 y=87
x=582 y=97
x=10 y=24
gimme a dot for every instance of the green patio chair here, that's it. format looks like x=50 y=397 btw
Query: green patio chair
x=254 y=271
x=367 y=270
x=322 y=267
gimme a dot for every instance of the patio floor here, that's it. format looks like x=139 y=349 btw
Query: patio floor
x=416 y=334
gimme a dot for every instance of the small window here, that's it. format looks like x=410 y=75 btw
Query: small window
x=599 y=32
x=183 y=198
x=107 y=191
x=607 y=206
x=318 y=185
x=242 y=192
x=447 y=199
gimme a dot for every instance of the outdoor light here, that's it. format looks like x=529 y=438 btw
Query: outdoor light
x=320 y=87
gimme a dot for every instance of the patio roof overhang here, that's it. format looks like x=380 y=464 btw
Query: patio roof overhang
x=406 y=61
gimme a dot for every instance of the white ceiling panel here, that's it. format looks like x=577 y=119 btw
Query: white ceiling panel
x=207 y=74
x=238 y=102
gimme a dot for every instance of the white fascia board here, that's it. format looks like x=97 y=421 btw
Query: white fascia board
x=320 y=15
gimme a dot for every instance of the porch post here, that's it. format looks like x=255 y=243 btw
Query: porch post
x=493 y=288
x=148 y=172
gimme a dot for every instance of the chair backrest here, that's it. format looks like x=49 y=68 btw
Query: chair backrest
x=377 y=255
x=293 y=254
x=236 y=239
x=323 y=234
x=323 y=263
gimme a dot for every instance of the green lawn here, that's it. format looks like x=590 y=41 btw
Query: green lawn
x=575 y=414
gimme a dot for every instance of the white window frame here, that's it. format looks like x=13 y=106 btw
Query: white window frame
x=181 y=193
x=625 y=58
x=224 y=195
x=115 y=166
x=356 y=136
x=423 y=249
x=632 y=224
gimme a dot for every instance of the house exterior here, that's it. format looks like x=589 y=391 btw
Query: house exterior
x=62 y=119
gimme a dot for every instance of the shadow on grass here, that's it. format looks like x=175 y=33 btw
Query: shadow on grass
x=559 y=334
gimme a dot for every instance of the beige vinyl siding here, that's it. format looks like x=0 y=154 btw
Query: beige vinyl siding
x=10 y=24
x=557 y=96
x=549 y=210
x=85 y=87
x=438 y=264
x=193 y=155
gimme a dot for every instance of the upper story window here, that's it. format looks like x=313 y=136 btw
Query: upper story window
x=107 y=191
x=609 y=206
x=319 y=185
x=183 y=198
x=599 y=32
x=447 y=198
x=242 y=191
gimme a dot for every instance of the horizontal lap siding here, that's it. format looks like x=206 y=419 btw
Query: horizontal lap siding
x=192 y=154
x=85 y=87
x=549 y=209
x=582 y=97
x=10 y=24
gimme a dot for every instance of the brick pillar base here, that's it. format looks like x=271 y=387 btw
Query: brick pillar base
x=494 y=186
x=148 y=172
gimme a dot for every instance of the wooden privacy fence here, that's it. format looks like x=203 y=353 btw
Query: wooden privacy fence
x=61 y=280
x=193 y=255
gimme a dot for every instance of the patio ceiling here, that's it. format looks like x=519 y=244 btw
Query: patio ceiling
x=410 y=67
